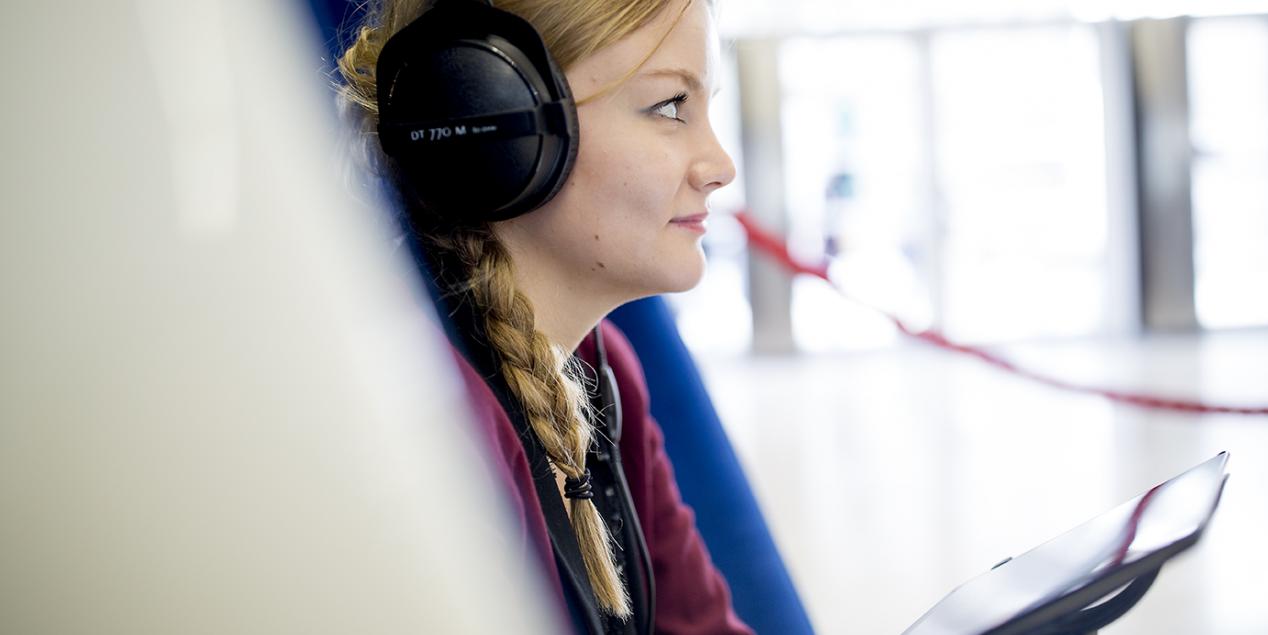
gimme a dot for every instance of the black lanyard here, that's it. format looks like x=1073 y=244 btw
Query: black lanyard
x=607 y=405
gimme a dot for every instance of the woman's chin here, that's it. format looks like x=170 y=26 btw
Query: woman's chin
x=685 y=277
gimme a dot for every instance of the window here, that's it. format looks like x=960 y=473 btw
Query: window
x=1228 y=99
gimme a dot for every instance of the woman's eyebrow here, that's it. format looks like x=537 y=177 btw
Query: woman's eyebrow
x=693 y=82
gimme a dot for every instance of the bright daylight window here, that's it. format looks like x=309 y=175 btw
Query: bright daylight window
x=969 y=189
x=1228 y=99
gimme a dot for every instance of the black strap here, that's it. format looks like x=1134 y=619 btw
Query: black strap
x=609 y=406
x=607 y=402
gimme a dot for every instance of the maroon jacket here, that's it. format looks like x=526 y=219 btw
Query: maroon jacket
x=691 y=596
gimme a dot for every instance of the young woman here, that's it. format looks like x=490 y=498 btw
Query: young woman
x=527 y=294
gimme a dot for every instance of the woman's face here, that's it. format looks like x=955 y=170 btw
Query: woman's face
x=628 y=221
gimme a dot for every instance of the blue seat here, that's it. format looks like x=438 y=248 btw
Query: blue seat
x=709 y=474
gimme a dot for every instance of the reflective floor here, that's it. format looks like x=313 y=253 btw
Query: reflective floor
x=890 y=477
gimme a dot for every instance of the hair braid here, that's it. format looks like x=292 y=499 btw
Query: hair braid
x=552 y=394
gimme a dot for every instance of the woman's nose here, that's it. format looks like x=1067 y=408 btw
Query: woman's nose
x=714 y=168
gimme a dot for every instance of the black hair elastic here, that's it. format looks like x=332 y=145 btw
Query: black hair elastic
x=578 y=488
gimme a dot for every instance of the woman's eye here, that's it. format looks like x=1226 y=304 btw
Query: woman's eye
x=669 y=108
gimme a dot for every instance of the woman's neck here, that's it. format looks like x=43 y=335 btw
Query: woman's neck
x=562 y=312
x=566 y=304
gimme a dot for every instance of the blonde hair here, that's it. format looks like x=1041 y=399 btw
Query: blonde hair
x=537 y=371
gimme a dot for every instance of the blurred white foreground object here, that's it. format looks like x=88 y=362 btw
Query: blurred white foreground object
x=222 y=407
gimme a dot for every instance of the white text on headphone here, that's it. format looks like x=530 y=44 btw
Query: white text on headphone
x=445 y=132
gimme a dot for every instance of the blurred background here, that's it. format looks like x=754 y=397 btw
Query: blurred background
x=1081 y=187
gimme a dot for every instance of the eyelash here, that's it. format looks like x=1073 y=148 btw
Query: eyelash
x=677 y=100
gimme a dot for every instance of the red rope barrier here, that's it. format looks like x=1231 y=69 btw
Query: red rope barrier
x=774 y=247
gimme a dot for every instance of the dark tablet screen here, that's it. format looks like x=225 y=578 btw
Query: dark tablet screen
x=1171 y=514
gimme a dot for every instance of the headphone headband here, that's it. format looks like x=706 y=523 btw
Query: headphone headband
x=549 y=118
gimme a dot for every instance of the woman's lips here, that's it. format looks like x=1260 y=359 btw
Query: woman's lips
x=694 y=222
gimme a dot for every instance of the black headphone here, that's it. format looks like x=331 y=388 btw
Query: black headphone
x=477 y=116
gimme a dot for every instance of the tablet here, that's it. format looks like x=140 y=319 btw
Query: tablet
x=1076 y=569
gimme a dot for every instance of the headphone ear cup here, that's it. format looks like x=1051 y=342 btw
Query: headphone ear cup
x=460 y=70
